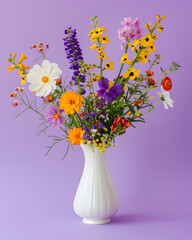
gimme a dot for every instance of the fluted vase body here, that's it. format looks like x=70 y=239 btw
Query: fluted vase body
x=96 y=199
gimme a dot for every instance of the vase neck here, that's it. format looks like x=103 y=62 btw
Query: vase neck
x=93 y=154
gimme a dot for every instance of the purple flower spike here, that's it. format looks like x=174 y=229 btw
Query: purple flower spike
x=52 y=116
x=109 y=94
x=74 y=54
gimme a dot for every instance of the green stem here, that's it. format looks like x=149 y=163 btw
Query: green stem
x=122 y=63
x=75 y=117
x=153 y=107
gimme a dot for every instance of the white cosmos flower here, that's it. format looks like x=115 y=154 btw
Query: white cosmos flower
x=165 y=97
x=42 y=78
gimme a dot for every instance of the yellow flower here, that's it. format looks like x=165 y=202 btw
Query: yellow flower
x=124 y=59
x=154 y=36
x=111 y=83
x=148 y=25
x=104 y=39
x=133 y=46
x=160 y=29
x=23 y=56
x=143 y=56
x=71 y=102
x=93 y=46
x=23 y=81
x=93 y=39
x=163 y=17
x=14 y=55
x=103 y=29
x=100 y=49
x=92 y=31
x=102 y=56
x=131 y=73
x=75 y=136
x=157 y=17
x=137 y=113
x=109 y=65
x=124 y=88
x=11 y=68
x=151 y=97
x=151 y=48
x=147 y=40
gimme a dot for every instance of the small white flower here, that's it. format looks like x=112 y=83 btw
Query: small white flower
x=42 y=78
x=165 y=98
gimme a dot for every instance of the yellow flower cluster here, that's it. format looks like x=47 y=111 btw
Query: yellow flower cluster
x=20 y=66
x=96 y=37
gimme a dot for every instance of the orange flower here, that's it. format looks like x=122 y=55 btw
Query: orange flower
x=138 y=102
x=151 y=81
x=48 y=98
x=75 y=136
x=150 y=73
x=59 y=80
x=71 y=102
x=167 y=84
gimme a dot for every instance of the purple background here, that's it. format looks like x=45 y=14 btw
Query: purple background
x=151 y=165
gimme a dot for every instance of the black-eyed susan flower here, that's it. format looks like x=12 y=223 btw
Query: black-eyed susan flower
x=100 y=49
x=93 y=46
x=147 y=40
x=109 y=65
x=124 y=59
x=160 y=29
x=131 y=73
x=104 y=39
x=102 y=56
x=143 y=56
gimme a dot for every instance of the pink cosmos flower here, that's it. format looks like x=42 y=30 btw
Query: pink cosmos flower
x=53 y=116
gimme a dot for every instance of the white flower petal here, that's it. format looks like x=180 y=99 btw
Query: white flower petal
x=40 y=92
x=35 y=86
x=165 y=105
x=170 y=102
x=37 y=70
x=46 y=67
x=54 y=65
x=159 y=94
x=55 y=73
x=48 y=89
x=33 y=77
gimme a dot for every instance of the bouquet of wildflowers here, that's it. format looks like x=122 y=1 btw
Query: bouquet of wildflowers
x=91 y=108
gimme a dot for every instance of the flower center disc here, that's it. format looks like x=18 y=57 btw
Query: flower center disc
x=56 y=116
x=45 y=79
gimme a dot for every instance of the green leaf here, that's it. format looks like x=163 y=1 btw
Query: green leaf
x=131 y=108
x=118 y=128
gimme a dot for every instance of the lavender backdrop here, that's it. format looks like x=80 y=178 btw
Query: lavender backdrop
x=151 y=165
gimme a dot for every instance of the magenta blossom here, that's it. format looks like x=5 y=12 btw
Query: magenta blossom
x=131 y=30
x=52 y=116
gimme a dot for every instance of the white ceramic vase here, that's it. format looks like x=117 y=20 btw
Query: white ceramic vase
x=96 y=199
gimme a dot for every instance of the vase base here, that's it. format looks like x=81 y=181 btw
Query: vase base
x=96 y=221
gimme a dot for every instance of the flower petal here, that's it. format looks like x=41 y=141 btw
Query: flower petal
x=46 y=67
x=109 y=96
x=37 y=70
x=103 y=84
x=55 y=73
x=100 y=92
x=116 y=89
x=35 y=86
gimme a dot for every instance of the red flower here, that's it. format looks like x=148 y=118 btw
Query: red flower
x=138 y=102
x=167 y=84
x=151 y=81
x=122 y=121
x=48 y=98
